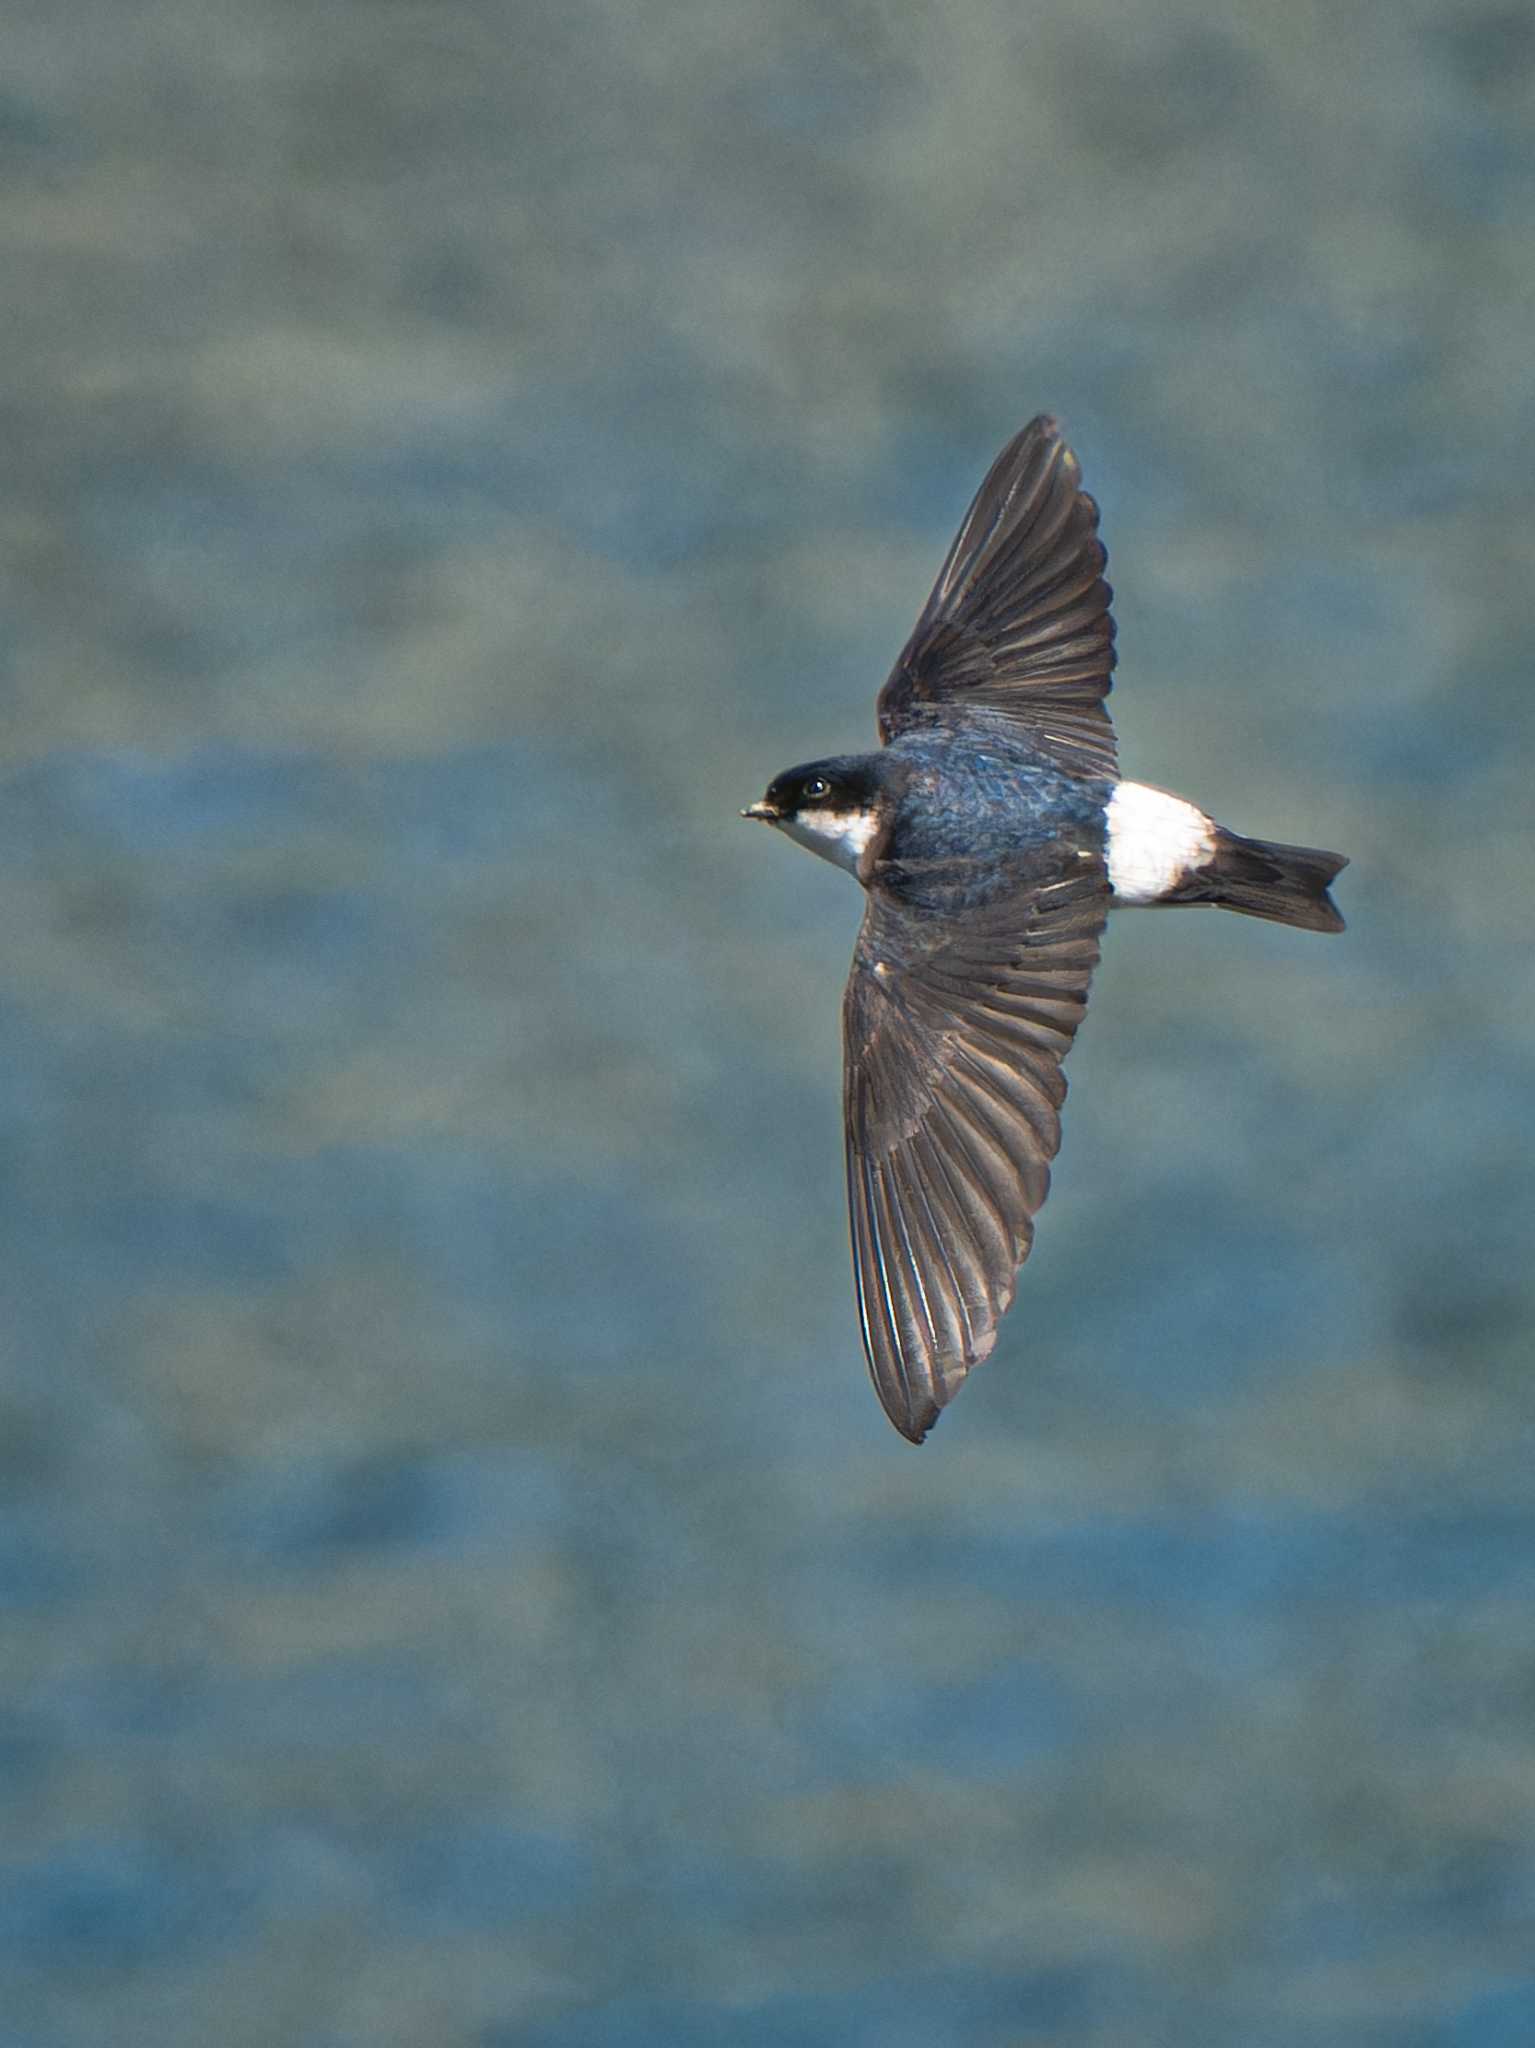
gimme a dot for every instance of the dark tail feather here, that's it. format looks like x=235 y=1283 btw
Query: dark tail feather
x=1287 y=884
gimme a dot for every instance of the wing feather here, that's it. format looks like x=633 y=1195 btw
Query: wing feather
x=1018 y=624
x=954 y=1037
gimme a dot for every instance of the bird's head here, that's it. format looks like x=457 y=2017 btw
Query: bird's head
x=833 y=807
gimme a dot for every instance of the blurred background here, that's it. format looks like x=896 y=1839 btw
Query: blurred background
x=459 y=1589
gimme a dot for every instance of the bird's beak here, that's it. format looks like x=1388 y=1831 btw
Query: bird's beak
x=768 y=813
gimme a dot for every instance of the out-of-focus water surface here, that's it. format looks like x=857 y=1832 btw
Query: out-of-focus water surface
x=458 y=1588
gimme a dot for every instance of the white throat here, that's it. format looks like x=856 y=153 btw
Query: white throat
x=841 y=837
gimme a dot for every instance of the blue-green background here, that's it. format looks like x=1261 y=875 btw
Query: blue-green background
x=458 y=1588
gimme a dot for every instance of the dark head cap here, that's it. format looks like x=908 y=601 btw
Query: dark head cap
x=845 y=783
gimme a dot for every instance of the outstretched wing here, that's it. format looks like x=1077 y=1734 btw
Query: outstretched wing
x=953 y=1034
x=1018 y=622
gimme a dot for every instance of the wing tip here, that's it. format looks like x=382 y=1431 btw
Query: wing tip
x=915 y=1424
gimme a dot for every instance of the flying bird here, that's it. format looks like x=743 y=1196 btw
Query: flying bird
x=992 y=835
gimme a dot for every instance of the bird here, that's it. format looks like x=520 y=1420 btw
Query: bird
x=992 y=834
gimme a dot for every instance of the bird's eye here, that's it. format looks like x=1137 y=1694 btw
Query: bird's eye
x=817 y=786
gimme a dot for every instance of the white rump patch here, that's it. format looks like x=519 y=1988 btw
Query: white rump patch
x=1154 y=839
x=838 y=836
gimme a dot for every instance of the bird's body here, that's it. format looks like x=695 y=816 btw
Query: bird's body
x=942 y=815
x=993 y=833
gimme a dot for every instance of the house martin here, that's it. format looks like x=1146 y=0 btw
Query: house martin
x=992 y=835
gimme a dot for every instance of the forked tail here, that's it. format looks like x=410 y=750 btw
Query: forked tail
x=1287 y=884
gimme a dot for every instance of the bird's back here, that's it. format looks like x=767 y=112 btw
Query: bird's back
x=979 y=810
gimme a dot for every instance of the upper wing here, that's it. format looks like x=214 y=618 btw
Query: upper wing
x=1018 y=621
x=953 y=1037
